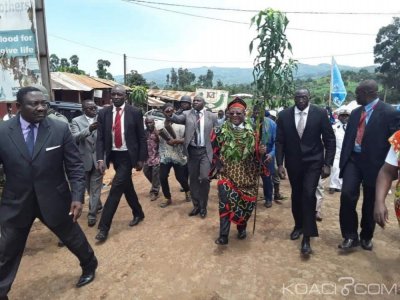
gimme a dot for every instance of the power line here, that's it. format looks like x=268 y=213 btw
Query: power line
x=247 y=23
x=189 y=61
x=256 y=11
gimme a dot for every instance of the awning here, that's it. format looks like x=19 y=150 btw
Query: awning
x=154 y=102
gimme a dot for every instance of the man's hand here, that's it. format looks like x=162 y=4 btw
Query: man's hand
x=101 y=166
x=326 y=171
x=168 y=112
x=139 y=166
x=263 y=149
x=76 y=210
x=381 y=214
x=93 y=127
x=171 y=142
x=268 y=158
x=281 y=172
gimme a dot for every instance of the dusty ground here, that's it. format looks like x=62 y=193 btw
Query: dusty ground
x=172 y=256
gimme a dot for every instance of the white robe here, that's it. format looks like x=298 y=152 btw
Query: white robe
x=335 y=182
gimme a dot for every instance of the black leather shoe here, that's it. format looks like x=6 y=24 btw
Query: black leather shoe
x=268 y=204
x=195 y=211
x=296 y=234
x=135 y=221
x=348 y=244
x=366 y=244
x=87 y=275
x=222 y=240
x=3 y=297
x=242 y=234
x=203 y=213
x=91 y=222
x=102 y=236
x=306 y=246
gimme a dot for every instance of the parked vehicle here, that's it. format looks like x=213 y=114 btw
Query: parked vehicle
x=69 y=109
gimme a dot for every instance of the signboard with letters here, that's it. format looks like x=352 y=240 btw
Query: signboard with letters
x=18 y=47
x=215 y=99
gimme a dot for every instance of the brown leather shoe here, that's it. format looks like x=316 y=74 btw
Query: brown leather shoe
x=166 y=202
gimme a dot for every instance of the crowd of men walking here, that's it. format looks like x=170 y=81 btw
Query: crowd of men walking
x=48 y=165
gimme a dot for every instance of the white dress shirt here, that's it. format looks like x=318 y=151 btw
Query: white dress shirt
x=297 y=115
x=201 y=115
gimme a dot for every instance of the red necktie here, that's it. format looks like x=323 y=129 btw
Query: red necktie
x=361 y=127
x=117 y=129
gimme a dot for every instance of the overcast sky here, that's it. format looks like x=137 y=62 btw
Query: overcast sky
x=154 y=39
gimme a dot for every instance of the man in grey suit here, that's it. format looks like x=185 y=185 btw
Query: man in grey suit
x=35 y=151
x=199 y=124
x=84 y=131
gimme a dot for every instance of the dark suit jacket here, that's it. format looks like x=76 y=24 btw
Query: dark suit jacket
x=383 y=122
x=39 y=179
x=133 y=131
x=310 y=148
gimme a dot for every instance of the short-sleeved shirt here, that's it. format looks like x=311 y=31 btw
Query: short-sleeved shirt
x=391 y=157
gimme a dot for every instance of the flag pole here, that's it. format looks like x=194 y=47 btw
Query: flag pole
x=330 y=86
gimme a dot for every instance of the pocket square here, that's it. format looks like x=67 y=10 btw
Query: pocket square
x=52 y=148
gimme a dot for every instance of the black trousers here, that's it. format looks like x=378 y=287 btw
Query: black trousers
x=121 y=184
x=304 y=181
x=12 y=245
x=180 y=175
x=352 y=180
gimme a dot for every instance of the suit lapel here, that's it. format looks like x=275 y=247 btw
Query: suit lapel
x=376 y=115
x=41 y=138
x=309 y=118
x=292 y=121
x=17 y=137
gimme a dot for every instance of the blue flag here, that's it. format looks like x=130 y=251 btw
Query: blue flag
x=338 y=90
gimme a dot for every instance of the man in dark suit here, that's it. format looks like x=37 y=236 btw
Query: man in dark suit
x=84 y=131
x=35 y=150
x=197 y=145
x=307 y=157
x=364 y=149
x=122 y=141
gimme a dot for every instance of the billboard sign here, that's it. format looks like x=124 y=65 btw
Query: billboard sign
x=18 y=47
x=215 y=99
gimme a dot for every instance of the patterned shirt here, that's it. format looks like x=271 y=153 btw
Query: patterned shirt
x=152 y=148
x=173 y=154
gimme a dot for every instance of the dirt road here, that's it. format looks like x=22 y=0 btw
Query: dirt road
x=172 y=256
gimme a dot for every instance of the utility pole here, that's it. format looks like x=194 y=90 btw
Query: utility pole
x=124 y=69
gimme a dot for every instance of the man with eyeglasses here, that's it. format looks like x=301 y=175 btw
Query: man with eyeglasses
x=84 y=131
x=305 y=141
x=38 y=155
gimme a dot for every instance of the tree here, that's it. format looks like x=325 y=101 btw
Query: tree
x=102 y=70
x=387 y=55
x=138 y=96
x=63 y=65
x=167 y=81
x=206 y=81
x=220 y=84
x=273 y=72
x=174 y=79
x=135 y=79
x=54 y=63
x=185 y=79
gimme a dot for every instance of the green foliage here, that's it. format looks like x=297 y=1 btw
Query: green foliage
x=138 y=96
x=387 y=55
x=135 y=79
x=63 y=65
x=206 y=81
x=102 y=70
x=236 y=145
x=273 y=72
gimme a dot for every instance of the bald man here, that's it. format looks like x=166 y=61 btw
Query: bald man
x=364 y=149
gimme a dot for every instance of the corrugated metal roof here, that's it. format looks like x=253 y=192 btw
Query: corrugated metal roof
x=61 y=81
x=169 y=95
x=111 y=83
